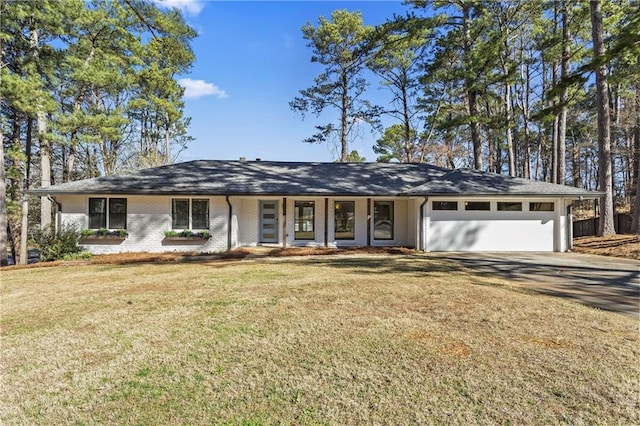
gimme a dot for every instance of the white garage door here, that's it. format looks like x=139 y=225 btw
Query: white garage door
x=490 y=231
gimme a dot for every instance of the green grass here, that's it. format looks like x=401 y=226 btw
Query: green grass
x=377 y=339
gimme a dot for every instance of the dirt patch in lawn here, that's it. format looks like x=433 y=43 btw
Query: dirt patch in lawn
x=623 y=245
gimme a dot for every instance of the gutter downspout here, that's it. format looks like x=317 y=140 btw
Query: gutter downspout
x=58 y=210
x=422 y=240
x=569 y=221
x=569 y=224
x=229 y=222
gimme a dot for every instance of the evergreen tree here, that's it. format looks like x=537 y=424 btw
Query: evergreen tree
x=340 y=44
x=606 y=226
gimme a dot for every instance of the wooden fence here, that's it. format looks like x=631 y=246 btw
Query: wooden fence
x=588 y=227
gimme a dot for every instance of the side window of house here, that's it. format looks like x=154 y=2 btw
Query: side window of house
x=345 y=220
x=108 y=213
x=383 y=220
x=304 y=220
x=180 y=213
x=199 y=214
x=97 y=213
x=541 y=207
x=189 y=213
x=118 y=213
x=509 y=206
x=477 y=205
x=445 y=205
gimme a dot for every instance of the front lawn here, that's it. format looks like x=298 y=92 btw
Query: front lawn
x=327 y=340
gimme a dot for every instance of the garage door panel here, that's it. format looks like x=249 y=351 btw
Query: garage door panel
x=491 y=235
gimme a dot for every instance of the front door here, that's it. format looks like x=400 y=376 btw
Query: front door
x=268 y=221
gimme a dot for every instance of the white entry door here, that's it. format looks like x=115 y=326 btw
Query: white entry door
x=269 y=221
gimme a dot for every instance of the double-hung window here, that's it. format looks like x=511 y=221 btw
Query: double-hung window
x=189 y=213
x=110 y=213
x=383 y=220
x=304 y=220
x=345 y=220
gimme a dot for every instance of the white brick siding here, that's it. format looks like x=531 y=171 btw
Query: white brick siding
x=148 y=217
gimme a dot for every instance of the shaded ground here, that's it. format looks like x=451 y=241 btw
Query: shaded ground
x=611 y=284
x=607 y=283
x=623 y=245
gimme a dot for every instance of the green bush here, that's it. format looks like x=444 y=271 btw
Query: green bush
x=103 y=232
x=187 y=233
x=83 y=255
x=56 y=244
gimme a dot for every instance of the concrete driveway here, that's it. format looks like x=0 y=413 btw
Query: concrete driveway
x=608 y=283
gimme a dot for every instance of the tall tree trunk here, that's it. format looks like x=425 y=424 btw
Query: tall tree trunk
x=606 y=226
x=67 y=168
x=509 y=130
x=24 y=227
x=556 y=121
x=472 y=94
x=523 y=103
x=344 y=149
x=4 y=260
x=507 y=107
x=635 y=219
x=575 y=162
x=167 y=140
x=408 y=144
x=45 y=169
x=564 y=94
x=45 y=147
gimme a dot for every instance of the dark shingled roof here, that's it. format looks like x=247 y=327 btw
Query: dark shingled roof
x=474 y=182
x=209 y=177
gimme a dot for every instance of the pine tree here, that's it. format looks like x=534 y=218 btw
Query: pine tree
x=606 y=226
x=339 y=44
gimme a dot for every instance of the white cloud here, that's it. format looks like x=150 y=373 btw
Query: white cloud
x=194 y=89
x=190 y=7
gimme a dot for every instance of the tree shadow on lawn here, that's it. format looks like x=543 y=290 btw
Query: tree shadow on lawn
x=609 y=289
x=415 y=265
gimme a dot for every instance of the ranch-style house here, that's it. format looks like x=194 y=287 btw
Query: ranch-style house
x=213 y=206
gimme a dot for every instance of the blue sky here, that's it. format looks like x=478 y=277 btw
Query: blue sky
x=251 y=60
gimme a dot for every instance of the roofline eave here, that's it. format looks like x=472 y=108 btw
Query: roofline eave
x=586 y=195
x=39 y=192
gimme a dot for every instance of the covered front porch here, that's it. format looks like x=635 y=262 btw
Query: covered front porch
x=324 y=221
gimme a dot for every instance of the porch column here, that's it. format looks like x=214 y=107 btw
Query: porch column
x=326 y=222
x=284 y=222
x=368 y=222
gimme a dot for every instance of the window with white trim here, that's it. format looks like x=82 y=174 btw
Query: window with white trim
x=541 y=207
x=189 y=213
x=109 y=213
x=383 y=220
x=304 y=220
x=344 y=216
x=509 y=206
x=444 y=205
x=477 y=205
